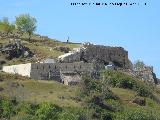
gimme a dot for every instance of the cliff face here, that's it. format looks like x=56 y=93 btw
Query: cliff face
x=103 y=54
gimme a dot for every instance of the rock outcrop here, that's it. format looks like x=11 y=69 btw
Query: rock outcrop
x=147 y=74
x=15 y=50
x=140 y=101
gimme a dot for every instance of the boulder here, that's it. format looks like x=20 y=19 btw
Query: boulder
x=140 y=101
x=98 y=101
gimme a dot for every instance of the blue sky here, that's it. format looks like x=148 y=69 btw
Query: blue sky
x=136 y=28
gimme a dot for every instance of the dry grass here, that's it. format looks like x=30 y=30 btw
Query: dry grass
x=25 y=89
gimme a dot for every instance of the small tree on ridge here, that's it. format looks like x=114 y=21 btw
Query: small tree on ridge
x=26 y=24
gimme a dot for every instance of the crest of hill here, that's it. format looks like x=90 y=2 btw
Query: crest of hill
x=41 y=46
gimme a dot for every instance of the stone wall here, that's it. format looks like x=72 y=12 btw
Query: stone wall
x=106 y=54
x=102 y=54
x=57 y=71
x=69 y=79
x=45 y=71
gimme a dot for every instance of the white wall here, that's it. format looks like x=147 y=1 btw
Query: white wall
x=21 y=69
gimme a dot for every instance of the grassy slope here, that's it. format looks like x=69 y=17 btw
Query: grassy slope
x=56 y=93
x=41 y=48
x=50 y=91
x=37 y=91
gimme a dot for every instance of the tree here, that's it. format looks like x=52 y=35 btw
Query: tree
x=5 y=26
x=26 y=24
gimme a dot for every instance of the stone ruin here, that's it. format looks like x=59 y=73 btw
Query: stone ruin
x=88 y=59
x=67 y=73
x=111 y=57
x=101 y=54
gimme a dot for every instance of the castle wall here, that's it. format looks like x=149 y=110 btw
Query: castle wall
x=105 y=54
x=76 y=67
x=102 y=54
x=21 y=69
x=57 y=71
x=46 y=71
x=61 y=72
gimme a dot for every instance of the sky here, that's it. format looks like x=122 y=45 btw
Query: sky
x=136 y=27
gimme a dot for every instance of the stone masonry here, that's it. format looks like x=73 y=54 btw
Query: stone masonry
x=61 y=72
x=102 y=54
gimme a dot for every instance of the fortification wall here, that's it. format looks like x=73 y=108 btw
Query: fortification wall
x=56 y=71
x=21 y=69
x=45 y=71
x=102 y=54
x=76 y=67
x=61 y=72
x=106 y=54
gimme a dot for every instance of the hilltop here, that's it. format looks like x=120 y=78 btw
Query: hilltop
x=116 y=95
x=42 y=47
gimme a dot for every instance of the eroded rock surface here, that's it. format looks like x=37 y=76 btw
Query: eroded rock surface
x=15 y=50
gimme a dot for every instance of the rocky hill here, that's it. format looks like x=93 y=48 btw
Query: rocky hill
x=120 y=92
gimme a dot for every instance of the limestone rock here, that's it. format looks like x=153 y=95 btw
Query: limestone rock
x=98 y=101
x=147 y=74
x=15 y=50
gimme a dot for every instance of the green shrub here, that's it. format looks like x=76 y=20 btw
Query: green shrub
x=121 y=80
x=6 y=109
x=90 y=87
x=143 y=91
x=72 y=113
x=137 y=114
x=47 y=111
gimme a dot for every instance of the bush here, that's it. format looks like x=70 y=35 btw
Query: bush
x=143 y=91
x=47 y=111
x=121 y=80
x=137 y=114
x=6 y=109
x=71 y=113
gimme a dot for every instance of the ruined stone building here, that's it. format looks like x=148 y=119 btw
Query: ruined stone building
x=88 y=59
x=62 y=72
x=102 y=54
